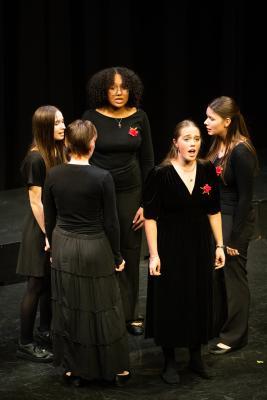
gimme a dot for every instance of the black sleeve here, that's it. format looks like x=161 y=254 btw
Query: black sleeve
x=152 y=201
x=243 y=163
x=111 y=220
x=50 y=210
x=33 y=169
x=146 y=153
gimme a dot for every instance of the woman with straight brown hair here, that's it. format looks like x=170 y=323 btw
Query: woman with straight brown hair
x=235 y=160
x=47 y=150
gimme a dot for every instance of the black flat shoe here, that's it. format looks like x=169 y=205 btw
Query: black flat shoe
x=135 y=330
x=121 y=380
x=218 y=350
x=200 y=369
x=72 y=380
x=170 y=375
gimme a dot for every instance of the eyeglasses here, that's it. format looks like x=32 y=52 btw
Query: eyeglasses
x=118 y=89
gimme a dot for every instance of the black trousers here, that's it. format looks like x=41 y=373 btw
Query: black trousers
x=127 y=205
x=231 y=289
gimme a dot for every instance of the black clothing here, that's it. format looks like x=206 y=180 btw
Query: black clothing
x=88 y=328
x=33 y=260
x=236 y=190
x=238 y=216
x=128 y=155
x=179 y=301
x=127 y=205
x=85 y=207
x=126 y=152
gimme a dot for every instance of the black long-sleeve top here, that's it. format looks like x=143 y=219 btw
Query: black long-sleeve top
x=126 y=151
x=236 y=189
x=81 y=199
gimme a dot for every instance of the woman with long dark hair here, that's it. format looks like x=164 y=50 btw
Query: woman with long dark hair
x=46 y=150
x=235 y=160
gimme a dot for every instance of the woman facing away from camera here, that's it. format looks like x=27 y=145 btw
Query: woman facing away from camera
x=47 y=150
x=182 y=213
x=124 y=148
x=235 y=160
x=88 y=326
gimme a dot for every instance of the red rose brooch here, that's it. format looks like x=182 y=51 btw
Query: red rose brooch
x=219 y=170
x=133 y=132
x=206 y=189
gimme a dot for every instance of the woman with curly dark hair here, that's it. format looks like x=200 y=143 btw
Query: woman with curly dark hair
x=124 y=147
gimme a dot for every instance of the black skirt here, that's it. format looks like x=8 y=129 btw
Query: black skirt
x=88 y=328
x=33 y=260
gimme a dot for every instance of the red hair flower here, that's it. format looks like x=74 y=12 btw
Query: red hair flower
x=206 y=189
x=133 y=131
x=219 y=170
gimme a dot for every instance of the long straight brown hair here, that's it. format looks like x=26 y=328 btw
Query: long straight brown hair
x=237 y=131
x=43 y=126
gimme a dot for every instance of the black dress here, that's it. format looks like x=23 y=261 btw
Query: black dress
x=88 y=328
x=124 y=148
x=179 y=302
x=33 y=260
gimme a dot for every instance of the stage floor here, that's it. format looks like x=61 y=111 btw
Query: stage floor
x=240 y=375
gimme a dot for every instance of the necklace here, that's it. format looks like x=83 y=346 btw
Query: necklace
x=190 y=178
x=118 y=122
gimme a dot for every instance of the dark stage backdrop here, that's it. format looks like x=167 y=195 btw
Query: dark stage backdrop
x=185 y=55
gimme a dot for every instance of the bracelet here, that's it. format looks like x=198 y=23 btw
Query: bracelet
x=220 y=246
x=152 y=257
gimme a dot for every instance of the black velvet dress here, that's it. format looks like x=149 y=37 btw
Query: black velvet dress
x=179 y=302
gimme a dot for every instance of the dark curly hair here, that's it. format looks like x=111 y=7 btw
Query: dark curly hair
x=98 y=85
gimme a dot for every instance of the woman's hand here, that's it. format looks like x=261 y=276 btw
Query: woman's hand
x=232 y=252
x=139 y=219
x=120 y=267
x=219 y=258
x=47 y=245
x=154 y=265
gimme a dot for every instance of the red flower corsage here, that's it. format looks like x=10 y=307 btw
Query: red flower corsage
x=219 y=170
x=133 y=131
x=206 y=189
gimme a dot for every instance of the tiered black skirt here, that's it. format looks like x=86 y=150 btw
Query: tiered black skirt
x=88 y=325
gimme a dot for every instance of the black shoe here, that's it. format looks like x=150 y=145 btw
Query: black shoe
x=43 y=336
x=121 y=380
x=73 y=380
x=170 y=375
x=200 y=369
x=33 y=352
x=135 y=330
x=215 y=349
